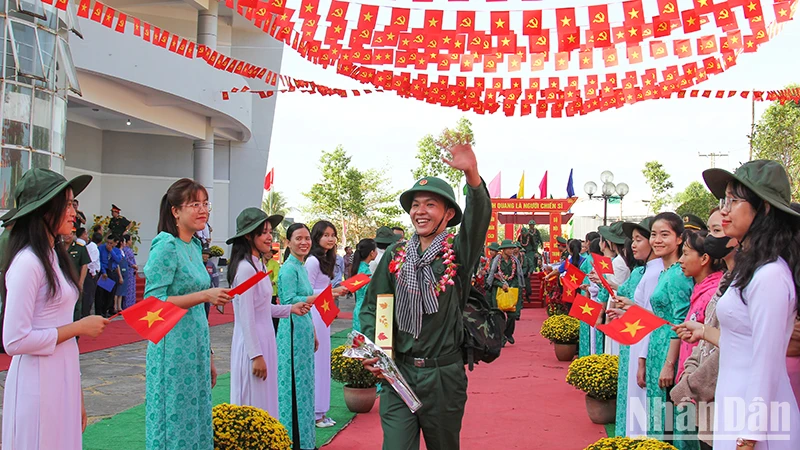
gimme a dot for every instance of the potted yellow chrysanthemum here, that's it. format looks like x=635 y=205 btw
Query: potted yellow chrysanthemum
x=237 y=427
x=624 y=443
x=596 y=375
x=562 y=331
x=359 y=383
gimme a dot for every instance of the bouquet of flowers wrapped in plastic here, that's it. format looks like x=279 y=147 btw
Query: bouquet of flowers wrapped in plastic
x=362 y=348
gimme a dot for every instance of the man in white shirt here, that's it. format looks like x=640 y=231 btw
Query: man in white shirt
x=90 y=283
x=205 y=236
x=384 y=237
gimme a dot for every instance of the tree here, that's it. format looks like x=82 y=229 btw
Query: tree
x=777 y=137
x=430 y=152
x=358 y=202
x=697 y=200
x=275 y=203
x=658 y=180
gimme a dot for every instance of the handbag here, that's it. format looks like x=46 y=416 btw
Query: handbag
x=507 y=301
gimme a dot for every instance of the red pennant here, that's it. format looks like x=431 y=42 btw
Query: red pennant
x=356 y=282
x=252 y=281
x=602 y=265
x=633 y=326
x=153 y=318
x=326 y=306
x=574 y=276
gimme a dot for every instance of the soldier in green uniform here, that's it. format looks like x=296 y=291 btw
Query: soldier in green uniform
x=531 y=240
x=428 y=325
x=506 y=272
x=80 y=258
x=118 y=225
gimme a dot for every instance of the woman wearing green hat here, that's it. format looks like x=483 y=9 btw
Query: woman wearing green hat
x=180 y=368
x=254 y=352
x=757 y=316
x=43 y=402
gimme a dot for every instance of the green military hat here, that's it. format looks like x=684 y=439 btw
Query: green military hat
x=692 y=222
x=36 y=187
x=251 y=219
x=385 y=235
x=643 y=227
x=532 y=222
x=436 y=186
x=767 y=179
x=507 y=243
x=519 y=246
x=613 y=233
x=524 y=230
x=8 y=215
x=494 y=246
x=561 y=240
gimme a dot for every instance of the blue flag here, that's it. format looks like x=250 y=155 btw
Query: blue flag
x=570 y=187
x=513 y=196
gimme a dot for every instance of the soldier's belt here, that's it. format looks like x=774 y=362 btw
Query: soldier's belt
x=430 y=362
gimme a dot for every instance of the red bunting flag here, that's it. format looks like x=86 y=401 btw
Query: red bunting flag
x=326 y=306
x=269 y=180
x=356 y=282
x=633 y=326
x=586 y=310
x=252 y=281
x=83 y=9
x=153 y=318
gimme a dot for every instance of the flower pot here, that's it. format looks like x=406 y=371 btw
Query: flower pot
x=359 y=400
x=601 y=411
x=566 y=352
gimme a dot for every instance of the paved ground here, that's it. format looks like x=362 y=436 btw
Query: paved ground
x=114 y=379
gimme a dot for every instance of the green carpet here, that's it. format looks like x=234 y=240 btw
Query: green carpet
x=126 y=429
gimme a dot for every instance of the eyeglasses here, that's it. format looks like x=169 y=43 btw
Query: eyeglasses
x=197 y=205
x=727 y=203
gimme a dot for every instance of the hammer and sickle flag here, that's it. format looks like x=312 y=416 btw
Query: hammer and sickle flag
x=356 y=282
x=599 y=17
x=466 y=21
x=533 y=23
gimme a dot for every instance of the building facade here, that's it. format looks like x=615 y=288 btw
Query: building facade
x=136 y=116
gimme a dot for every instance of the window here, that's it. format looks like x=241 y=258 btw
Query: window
x=42 y=120
x=17 y=115
x=31 y=7
x=40 y=161
x=69 y=66
x=72 y=22
x=26 y=48
x=47 y=47
x=13 y=163
x=59 y=125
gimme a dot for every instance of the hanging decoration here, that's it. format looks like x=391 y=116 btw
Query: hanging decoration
x=589 y=42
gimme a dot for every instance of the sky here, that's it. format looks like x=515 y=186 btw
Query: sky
x=381 y=131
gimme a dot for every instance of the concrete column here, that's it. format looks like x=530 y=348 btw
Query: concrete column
x=207 y=25
x=204 y=149
x=204 y=162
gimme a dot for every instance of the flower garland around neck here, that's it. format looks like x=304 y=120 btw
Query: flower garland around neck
x=513 y=271
x=449 y=260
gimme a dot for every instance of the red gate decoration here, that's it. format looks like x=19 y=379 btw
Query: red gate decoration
x=556 y=209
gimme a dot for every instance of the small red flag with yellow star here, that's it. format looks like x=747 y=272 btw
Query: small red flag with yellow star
x=586 y=310
x=326 y=306
x=602 y=265
x=633 y=326
x=153 y=318
x=356 y=282
x=573 y=276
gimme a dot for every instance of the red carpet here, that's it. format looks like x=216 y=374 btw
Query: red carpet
x=119 y=333
x=519 y=401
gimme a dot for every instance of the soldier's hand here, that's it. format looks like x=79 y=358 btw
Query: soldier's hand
x=369 y=364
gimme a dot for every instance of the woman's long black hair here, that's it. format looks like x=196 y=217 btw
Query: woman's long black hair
x=242 y=251
x=363 y=249
x=35 y=230
x=627 y=255
x=289 y=232
x=326 y=258
x=594 y=246
x=772 y=234
x=575 y=252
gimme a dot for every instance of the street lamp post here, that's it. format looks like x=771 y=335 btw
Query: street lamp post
x=609 y=190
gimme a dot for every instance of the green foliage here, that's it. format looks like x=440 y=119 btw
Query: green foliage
x=275 y=203
x=696 y=199
x=361 y=199
x=658 y=180
x=431 y=150
x=777 y=137
x=544 y=232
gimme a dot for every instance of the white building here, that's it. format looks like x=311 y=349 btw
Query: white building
x=145 y=117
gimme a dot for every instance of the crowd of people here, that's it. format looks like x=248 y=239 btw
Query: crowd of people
x=727 y=286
